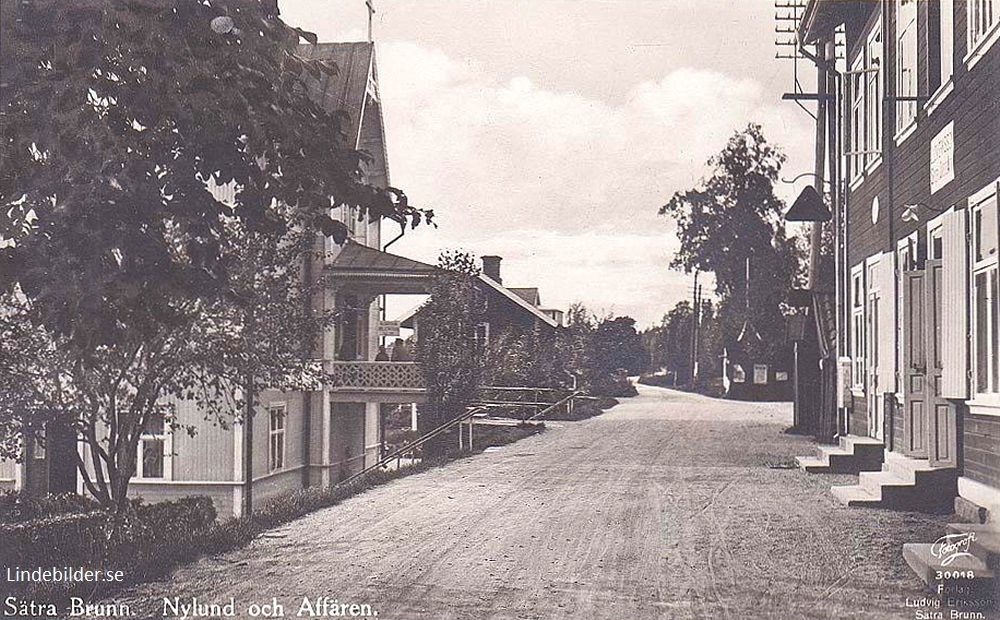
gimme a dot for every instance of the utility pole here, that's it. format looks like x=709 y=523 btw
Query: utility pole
x=694 y=327
x=816 y=234
x=697 y=334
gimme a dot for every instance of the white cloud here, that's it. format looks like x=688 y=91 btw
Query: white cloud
x=565 y=187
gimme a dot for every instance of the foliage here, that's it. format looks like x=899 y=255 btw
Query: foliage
x=669 y=343
x=143 y=545
x=600 y=352
x=16 y=506
x=163 y=172
x=523 y=358
x=732 y=219
x=446 y=348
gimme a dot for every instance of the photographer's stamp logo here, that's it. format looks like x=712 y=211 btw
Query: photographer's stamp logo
x=950 y=547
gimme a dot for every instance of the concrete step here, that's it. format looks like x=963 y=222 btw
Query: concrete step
x=876 y=482
x=812 y=464
x=906 y=467
x=856 y=444
x=850 y=456
x=954 y=578
x=855 y=495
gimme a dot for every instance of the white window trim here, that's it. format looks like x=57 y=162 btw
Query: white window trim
x=167 y=437
x=913 y=81
x=978 y=51
x=981 y=403
x=939 y=96
x=906 y=132
x=283 y=431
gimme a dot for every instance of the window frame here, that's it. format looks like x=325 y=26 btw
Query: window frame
x=277 y=435
x=166 y=438
x=984 y=402
x=907 y=67
x=873 y=96
x=980 y=40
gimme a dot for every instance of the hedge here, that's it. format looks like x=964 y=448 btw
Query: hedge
x=17 y=506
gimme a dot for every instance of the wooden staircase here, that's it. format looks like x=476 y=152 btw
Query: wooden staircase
x=903 y=484
x=960 y=567
x=852 y=455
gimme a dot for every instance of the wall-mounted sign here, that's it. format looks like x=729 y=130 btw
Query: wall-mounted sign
x=943 y=157
x=875 y=210
x=781 y=376
x=388 y=329
x=760 y=374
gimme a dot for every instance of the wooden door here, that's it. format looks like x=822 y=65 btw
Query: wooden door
x=942 y=442
x=876 y=415
x=914 y=360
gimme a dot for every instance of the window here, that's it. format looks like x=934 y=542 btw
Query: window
x=865 y=86
x=982 y=17
x=39 y=446
x=906 y=63
x=941 y=43
x=153 y=455
x=858 y=326
x=276 y=437
x=986 y=300
x=857 y=79
x=873 y=93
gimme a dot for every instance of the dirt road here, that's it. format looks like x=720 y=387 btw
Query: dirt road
x=663 y=507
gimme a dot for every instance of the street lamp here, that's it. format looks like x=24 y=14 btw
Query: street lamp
x=808 y=207
x=910 y=211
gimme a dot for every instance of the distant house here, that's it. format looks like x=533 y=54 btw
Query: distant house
x=506 y=308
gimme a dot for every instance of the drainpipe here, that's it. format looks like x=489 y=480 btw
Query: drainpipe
x=888 y=132
x=402 y=231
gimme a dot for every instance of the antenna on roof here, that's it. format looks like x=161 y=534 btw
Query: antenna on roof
x=371 y=13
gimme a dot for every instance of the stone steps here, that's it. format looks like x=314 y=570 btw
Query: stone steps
x=903 y=484
x=852 y=455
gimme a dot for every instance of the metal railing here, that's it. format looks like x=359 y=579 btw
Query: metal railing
x=397 y=455
x=566 y=402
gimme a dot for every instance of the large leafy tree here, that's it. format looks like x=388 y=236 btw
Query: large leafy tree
x=163 y=175
x=446 y=347
x=732 y=221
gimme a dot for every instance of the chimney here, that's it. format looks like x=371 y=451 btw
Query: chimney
x=491 y=268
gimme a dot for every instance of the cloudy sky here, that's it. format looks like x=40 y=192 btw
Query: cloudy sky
x=550 y=131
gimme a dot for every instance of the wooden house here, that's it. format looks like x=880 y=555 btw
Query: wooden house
x=917 y=156
x=305 y=438
x=506 y=307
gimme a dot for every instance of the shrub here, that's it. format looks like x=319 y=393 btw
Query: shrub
x=17 y=506
x=144 y=543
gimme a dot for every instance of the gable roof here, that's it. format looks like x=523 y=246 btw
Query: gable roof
x=491 y=284
x=344 y=90
x=518 y=300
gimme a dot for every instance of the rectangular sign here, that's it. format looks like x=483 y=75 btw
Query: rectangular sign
x=942 y=160
x=388 y=329
x=760 y=374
